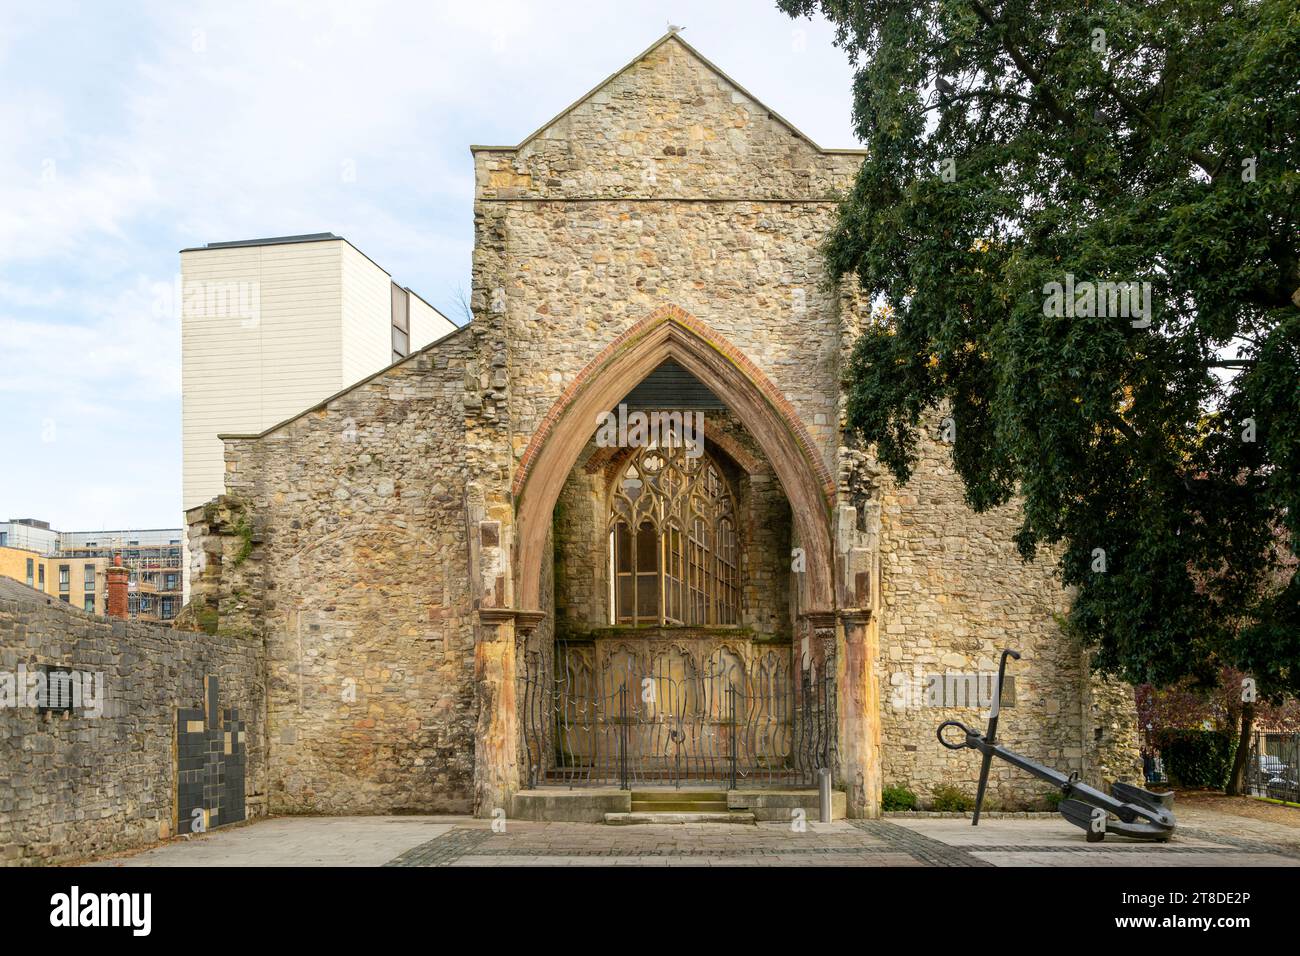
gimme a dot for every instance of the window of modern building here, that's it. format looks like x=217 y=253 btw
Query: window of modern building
x=30 y=563
x=89 y=572
x=171 y=582
x=65 y=598
x=167 y=608
x=89 y=603
x=65 y=577
x=401 y=322
x=4 y=539
x=40 y=576
x=673 y=550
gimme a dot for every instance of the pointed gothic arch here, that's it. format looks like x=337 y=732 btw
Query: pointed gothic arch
x=671 y=332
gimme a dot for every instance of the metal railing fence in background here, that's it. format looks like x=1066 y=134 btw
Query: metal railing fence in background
x=1273 y=767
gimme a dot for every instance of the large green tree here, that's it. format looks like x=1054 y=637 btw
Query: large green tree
x=1018 y=151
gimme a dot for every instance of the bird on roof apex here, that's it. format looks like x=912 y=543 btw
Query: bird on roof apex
x=674 y=28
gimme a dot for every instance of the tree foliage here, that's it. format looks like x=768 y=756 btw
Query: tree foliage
x=1016 y=144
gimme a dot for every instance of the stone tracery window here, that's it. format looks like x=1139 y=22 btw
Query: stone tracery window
x=674 y=557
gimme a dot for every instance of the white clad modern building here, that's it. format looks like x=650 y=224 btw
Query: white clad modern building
x=29 y=534
x=270 y=327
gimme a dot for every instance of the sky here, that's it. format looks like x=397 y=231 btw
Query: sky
x=129 y=131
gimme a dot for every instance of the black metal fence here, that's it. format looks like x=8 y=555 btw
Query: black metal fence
x=721 y=727
x=1273 y=768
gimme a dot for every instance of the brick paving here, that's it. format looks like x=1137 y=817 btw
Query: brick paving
x=1043 y=841
x=765 y=844
x=442 y=849
x=917 y=844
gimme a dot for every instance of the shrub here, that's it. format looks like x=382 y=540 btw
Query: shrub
x=1198 y=758
x=897 y=798
x=950 y=799
x=1053 y=799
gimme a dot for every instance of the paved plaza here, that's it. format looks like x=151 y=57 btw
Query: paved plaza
x=1205 y=838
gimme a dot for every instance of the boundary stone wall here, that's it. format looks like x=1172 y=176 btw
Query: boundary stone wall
x=73 y=784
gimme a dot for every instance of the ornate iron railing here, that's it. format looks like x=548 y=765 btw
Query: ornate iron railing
x=633 y=727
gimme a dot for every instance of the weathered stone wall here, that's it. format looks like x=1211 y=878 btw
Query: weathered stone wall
x=360 y=534
x=955 y=592
x=1111 y=745
x=580 y=549
x=670 y=125
x=73 y=784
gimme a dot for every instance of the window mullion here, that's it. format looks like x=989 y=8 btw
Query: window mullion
x=663 y=589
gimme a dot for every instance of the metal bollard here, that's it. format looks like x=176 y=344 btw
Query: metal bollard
x=824 y=794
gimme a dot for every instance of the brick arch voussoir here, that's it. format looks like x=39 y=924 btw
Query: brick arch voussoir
x=671 y=332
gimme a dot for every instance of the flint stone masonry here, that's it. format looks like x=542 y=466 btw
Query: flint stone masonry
x=361 y=572
x=72 y=785
x=955 y=593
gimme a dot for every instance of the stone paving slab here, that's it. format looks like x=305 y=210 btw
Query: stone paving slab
x=1050 y=831
x=1152 y=858
x=463 y=841
x=297 y=841
x=1053 y=842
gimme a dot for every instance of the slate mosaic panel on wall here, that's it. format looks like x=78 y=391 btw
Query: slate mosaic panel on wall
x=210 y=764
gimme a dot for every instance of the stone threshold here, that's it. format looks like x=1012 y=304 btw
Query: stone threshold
x=632 y=819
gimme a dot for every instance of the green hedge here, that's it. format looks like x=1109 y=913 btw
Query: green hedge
x=1198 y=758
x=898 y=798
x=951 y=799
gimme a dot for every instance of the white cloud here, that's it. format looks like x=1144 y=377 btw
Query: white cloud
x=127 y=345
x=128 y=133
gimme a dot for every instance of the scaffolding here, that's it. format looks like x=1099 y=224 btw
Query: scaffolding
x=152 y=558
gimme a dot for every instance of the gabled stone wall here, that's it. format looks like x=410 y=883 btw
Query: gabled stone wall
x=668 y=126
x=357 y=520
x=670 y=185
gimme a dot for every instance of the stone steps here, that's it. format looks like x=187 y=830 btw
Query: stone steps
x=679 y=801
x=594 y=805
x=632 y=819
x=679 y=806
